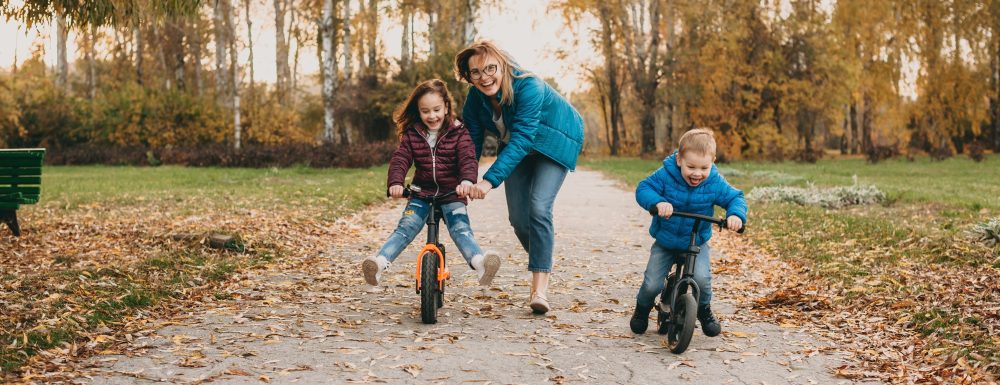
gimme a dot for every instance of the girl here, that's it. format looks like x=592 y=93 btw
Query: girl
x=433 y=141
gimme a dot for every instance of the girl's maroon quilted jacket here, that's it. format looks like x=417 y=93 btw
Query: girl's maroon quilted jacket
x=439 y=169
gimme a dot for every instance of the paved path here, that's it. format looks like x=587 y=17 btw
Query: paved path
x=318 y=324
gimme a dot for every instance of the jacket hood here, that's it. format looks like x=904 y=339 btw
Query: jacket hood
x=670 y=165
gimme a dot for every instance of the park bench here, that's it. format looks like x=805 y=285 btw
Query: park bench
x=20 y=182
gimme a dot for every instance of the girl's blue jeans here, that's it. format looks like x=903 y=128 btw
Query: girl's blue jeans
x=531 y=191
x=456 y=218
x=660 y=262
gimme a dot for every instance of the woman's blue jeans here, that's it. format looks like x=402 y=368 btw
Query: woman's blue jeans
x=456 y=218
x=660 y=262
x=531 y=191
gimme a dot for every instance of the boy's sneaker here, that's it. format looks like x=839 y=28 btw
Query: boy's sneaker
x=372 y=268
x=640 y=319
x=709 y=325
x=487 y=267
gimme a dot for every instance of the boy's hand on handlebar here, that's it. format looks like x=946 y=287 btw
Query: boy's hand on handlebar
x=396 y=191
x=664 y=209
x=734 y=223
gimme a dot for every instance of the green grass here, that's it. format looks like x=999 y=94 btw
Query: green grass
x=955 y=181
x=331 y=191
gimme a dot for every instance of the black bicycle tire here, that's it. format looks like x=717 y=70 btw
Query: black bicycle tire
x=428 y=288
x=686 y=310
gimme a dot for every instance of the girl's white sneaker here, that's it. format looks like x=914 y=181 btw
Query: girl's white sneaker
x=372 y=268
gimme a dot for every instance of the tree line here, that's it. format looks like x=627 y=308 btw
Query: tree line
x=775 y=79
x=790 y=79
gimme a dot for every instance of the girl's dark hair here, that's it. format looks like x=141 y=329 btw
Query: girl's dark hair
x=407 y=114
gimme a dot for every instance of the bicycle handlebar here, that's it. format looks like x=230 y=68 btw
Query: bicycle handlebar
x=409 y=191
x=722 y=222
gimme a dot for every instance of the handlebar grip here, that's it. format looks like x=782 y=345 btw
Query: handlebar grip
x=653 y=211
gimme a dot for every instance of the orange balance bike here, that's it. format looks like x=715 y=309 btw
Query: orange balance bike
x=432 y=272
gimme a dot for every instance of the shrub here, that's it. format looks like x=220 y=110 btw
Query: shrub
x=987 y=232
x=220 y=155
x=830 y=197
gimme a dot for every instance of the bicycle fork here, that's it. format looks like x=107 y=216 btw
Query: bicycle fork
x=433 y=223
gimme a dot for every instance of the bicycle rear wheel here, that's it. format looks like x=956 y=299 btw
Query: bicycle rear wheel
x=429 y=294
x=681 y=326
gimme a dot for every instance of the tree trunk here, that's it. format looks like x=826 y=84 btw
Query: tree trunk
x=469 y=23
x=995 y=97
x=329 y=72
x=348 y=69
x=866 y=124
x=91 y=64
x=611 y=71
x=404 y=44
x=160 y=40
x=62 y=66
x=253 y=93
x=281 y=52
x=139 y=75
x=194 y=38
x=855 y=143
x=235 y=85
x=296 y=32
x=845 y=138
x=175 y=36
x=372 y=39
x=221 y=42
x=432 y=32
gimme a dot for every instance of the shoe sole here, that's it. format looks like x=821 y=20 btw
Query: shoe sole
x=370 y=269
x=490 y=267
x=539 y=306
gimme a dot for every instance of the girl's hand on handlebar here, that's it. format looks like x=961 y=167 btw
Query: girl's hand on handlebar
x=734 y=223
x=396 y=191
x=664 y=209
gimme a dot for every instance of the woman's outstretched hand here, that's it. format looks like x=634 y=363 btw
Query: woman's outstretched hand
x=479 y=190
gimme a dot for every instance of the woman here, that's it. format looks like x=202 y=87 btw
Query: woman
x=539 y=136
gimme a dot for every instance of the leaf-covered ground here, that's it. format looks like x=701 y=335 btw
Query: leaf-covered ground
x=108 y=249
x=310 y=319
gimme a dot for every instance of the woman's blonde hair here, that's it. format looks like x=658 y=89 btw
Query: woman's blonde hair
x=699 y=140
x=407 y=114
x=507 y=63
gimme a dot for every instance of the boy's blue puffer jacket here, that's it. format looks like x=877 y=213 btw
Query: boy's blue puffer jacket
x=540 y=119
x=667 y=185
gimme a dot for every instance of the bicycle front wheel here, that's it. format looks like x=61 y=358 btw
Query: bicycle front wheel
x=681 y=329
x=429 y=294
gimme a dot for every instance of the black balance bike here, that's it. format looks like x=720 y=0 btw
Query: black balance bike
x=677 y=320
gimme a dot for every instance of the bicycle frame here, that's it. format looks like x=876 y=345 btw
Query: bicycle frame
x=433 y=245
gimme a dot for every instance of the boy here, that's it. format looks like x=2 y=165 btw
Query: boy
x=687 y=182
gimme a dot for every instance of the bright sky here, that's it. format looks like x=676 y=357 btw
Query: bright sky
x=525 y=28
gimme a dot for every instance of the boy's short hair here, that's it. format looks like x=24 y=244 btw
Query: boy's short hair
x=699 y=140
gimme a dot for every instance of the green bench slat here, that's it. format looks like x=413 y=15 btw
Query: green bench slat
x=22 y=153
x=10 y=205
x=20 y=171
x=26 y=190
x=20 y=180
x=21 y=162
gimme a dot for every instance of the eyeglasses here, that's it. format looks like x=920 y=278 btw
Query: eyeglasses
x=476 y=74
